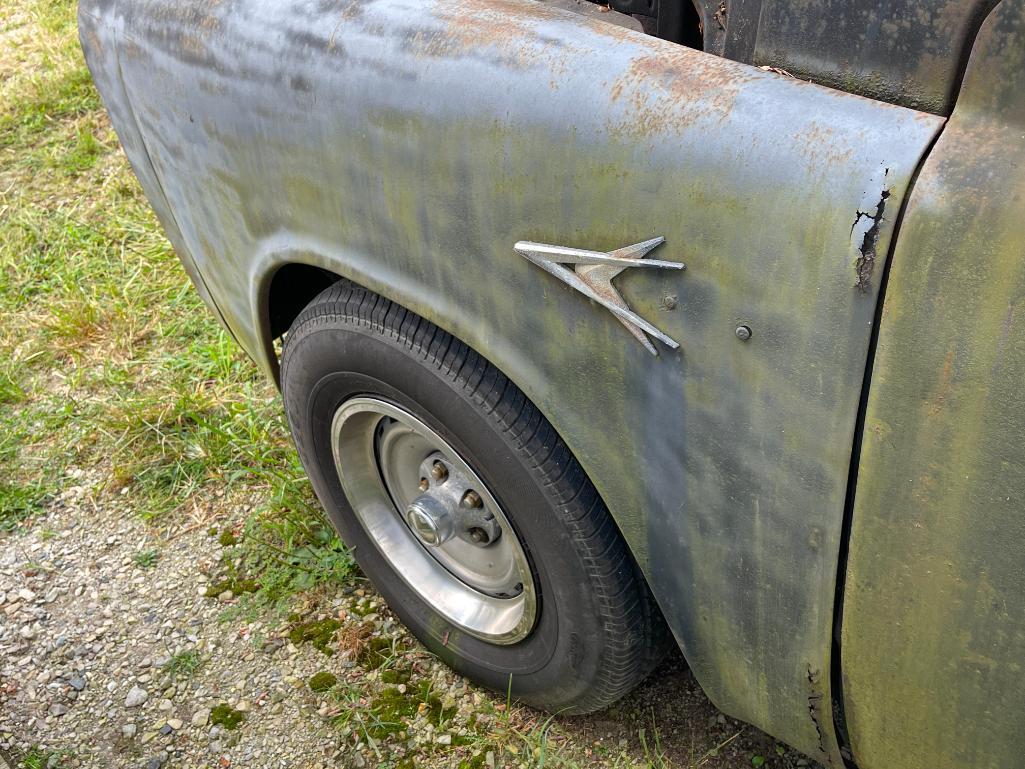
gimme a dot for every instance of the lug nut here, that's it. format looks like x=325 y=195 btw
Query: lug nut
x=424 y=484
x=479 y=536
x=471 y=499
x=439 y=472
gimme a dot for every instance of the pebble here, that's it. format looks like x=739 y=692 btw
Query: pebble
x=128 y=731
x=77 y=683
x=136 y=696
x=200 y=717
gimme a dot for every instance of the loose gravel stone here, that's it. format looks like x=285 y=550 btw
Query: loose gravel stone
x=136 y=697
x=200 y=717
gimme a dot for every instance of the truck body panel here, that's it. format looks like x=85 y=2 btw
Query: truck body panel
x=933 y=644
x=408 y=146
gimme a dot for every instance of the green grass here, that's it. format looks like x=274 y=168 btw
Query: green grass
x=146 y=559
x=40 y=758
x=18 y=503
x=184 y=664
x=108 y=358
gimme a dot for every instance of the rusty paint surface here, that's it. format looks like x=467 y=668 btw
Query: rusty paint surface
x=408 y=145
x=933 y=633
x=907 y=52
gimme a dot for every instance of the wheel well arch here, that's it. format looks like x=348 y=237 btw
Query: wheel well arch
x=291 y=287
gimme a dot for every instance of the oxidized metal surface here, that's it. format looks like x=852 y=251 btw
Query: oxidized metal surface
x=907 y=52
x=933 y=641
x=408 y=144
x=592 y=276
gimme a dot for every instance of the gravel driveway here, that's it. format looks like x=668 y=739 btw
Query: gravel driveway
x=115 y=654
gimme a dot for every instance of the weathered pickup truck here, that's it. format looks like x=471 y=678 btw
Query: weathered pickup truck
x=552 y=447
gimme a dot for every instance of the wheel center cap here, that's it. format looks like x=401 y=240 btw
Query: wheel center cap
x=429 y=521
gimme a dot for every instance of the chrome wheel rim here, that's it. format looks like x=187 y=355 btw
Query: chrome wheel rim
x=433 y=519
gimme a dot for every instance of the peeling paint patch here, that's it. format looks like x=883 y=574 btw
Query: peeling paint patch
x=866 y=226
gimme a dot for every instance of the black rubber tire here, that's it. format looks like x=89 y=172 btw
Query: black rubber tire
x=598 y=631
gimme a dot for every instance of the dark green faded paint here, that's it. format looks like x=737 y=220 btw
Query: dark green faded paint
x=408 y=146
x=908 y=52
x=933 y=644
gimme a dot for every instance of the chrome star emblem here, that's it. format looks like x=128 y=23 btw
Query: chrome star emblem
x=592 y=276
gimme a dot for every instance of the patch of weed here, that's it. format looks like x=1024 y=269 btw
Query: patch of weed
x=83 y=154
x=322 y=681
x=227 y=717
x=18 y=502
x=362 y=608
x=318 y=633
x=375 y=653
x=396 y=676
x=11 y=391
x=184 y=664
x=67 y=94
x=392 y=710
x=40 y=758
x=228 y=538
x=146 y=559
x=289 y=545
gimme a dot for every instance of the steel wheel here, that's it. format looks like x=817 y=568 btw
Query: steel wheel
x=464 y=507
x=434 y=520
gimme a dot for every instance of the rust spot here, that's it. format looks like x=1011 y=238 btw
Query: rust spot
x=672 y=88
x=823 y=146
x=348 y=13
x=130 y=49
x=499 y=26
